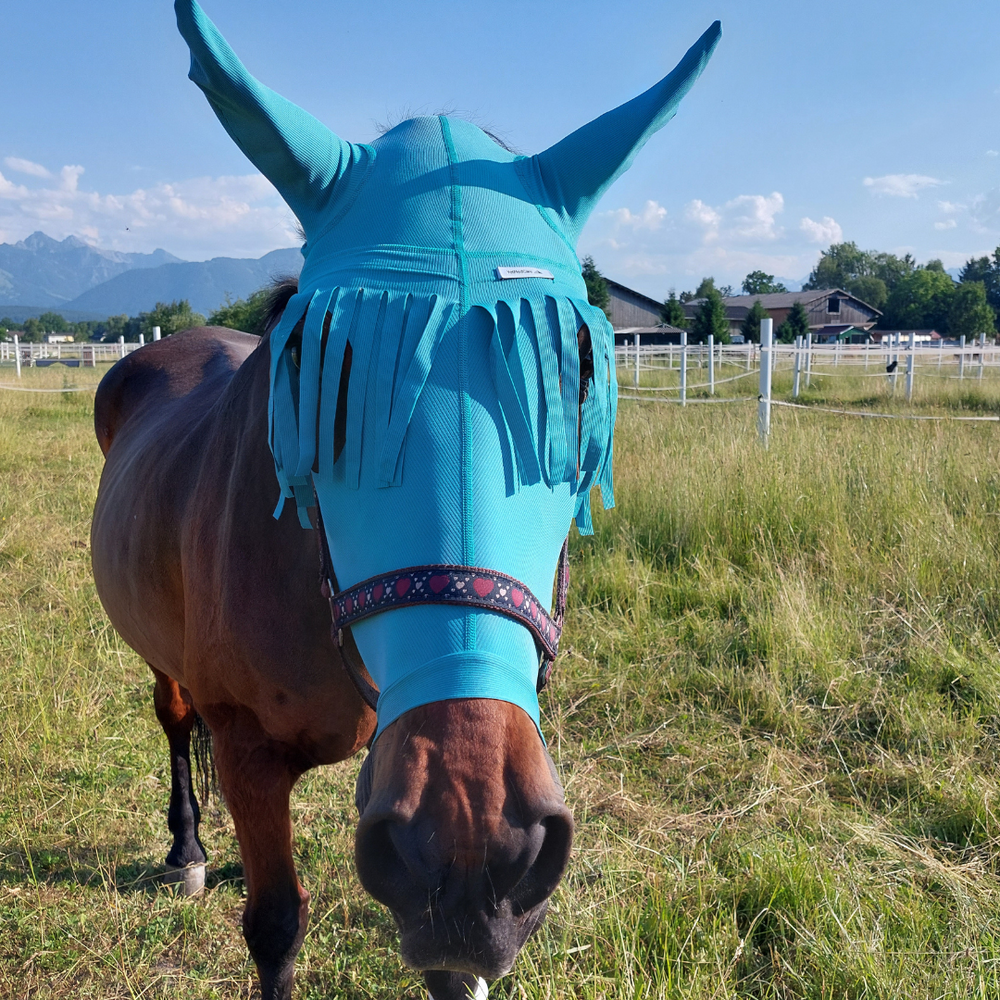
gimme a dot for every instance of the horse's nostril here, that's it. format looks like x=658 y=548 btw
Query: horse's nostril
x=381 y=868
x=547 y=869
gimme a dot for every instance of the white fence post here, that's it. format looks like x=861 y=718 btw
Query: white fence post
x=711 y=365
x=961 y=358
x=940 y=351
x=809 y=356
x=121 y=347
x=156 y=333
x=684 y=367
x=142 y=340
x=764 y=399
x=17 y=356
x=635 y=380
x=798 y=367
x=982 y=354
x=749 y=345
x=909 y=367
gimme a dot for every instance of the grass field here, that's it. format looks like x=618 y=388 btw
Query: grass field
x=777 y=718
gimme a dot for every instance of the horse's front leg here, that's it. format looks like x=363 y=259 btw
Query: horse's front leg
x=186 y=859
x=256 y=776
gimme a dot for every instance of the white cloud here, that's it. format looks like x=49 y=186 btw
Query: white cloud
x=984 y=211
x=195 y=218
x=652 y=216
x=901 y=185
x=69 y=178
x=20 y=166
x=11 y=191
x=727 y=239
x=947 y=224
x=827 y=230
x=751 y=216
x=704 y=215
x=950 y=207
x=992 y=152
x=748 y=218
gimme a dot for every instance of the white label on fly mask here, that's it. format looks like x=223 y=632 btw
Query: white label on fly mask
x=524 y=272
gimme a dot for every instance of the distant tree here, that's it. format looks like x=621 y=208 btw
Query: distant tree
x=85 y=329
x=710 y=319
x=672 y=311
x=870 y=289
x=969 y=313
x=975 y=269
x=6 y=325
x=702 y=290
x=844 y=265
x=53 y=322
x=838 y=266
x=751 y=325
x=246 y=314
x=920 y=301
x=759 y=283
x=169 y=317
x=796 y=324
x=597 y=285
x=935 y=264
x=890 y=268
x=34 y=330
x=985 y=270
x=112 y=328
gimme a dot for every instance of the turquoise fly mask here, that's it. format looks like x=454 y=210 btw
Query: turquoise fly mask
x=435 y=337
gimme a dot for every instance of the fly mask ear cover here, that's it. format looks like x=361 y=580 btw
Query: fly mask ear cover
x=443 y=270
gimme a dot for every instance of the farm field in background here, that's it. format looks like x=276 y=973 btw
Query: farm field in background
x=776 y=716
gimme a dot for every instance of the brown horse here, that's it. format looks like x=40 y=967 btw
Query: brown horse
x=464 y=833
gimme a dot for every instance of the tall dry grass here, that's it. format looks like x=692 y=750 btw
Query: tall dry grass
x=776 y=717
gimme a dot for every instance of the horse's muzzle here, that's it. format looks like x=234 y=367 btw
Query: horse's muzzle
x=464 y=852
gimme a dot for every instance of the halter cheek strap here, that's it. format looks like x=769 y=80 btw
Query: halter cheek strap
x=472 y=586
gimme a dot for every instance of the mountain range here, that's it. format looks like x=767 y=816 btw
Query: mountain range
x=71 y=276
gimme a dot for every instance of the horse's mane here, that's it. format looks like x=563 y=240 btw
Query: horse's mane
x=283 y=287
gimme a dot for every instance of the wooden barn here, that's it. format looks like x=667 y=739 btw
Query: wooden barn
x=631 y=310
x=825 y=307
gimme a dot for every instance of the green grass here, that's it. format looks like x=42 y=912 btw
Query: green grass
x=777 y=718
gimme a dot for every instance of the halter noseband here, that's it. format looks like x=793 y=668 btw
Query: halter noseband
x=471 y=586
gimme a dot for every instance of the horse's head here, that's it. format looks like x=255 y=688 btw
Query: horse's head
x=443 y=384
x=464 y=833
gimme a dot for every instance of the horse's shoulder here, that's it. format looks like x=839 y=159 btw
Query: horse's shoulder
x=167 y=370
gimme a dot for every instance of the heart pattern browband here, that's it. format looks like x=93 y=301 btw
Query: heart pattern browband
x=465 y=585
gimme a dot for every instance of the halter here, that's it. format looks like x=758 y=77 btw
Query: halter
x=472 y=586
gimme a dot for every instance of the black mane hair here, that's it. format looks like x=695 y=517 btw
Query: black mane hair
x=282 y=289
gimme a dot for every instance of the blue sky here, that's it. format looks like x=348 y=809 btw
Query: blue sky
x=871 y=121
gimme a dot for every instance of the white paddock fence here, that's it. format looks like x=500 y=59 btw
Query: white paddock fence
x=87 y=354
x=83 y=355
x=717 y=363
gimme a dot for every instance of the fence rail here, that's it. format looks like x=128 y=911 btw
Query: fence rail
x=29 y=354
x=806 y=361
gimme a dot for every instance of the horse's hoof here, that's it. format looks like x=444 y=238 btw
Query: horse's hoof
x=189 y=880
